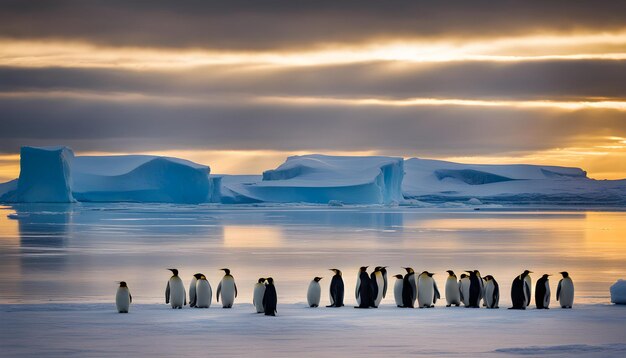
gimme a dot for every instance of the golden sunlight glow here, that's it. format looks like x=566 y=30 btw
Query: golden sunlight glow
x=30 y=53
x=237 y=236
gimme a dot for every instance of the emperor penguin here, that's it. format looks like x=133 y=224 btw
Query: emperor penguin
x=464 y=289
x=542 y=292
x=520 y=292
x=380 y=277
x=565 y=291
x=227 y=289
x=175 y=293
x=257 y=295
x=453 y=294
x=123 y=298
x=492 y=292
x=363 y=290
x=530 y=286
x=336 y=290
x=270 y=298
x=397 y=290
x=427 y=291
x=409 y=288
x=475 y=289
x=192 y=289
x=204 y=293
x=314 y=292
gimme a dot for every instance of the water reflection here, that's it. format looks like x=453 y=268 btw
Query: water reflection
x=252 y=236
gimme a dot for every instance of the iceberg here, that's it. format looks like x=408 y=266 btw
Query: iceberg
x=439 y=181
x=321 y=179
x=45 y=176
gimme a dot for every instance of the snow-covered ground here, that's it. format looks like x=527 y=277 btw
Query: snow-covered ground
x=97 y=330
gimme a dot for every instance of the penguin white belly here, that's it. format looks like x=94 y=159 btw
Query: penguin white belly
x=489 y=300
x=192 y=292
x=453 y=295
x=177 y=292
x=356 y=290
x=546 y=298
x=482 y=291
x=313 y=294
x=203 y=294
x=122 y=300
x=529 y=282
x=257 y=299
x=566 y=295
x=380 y=281
x=465 y=288
x=425 y=291
x=228 y=292
x=397 y=292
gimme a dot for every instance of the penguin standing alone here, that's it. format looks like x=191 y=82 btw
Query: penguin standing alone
x=520 y=292
x=453 y=294
x=257 y=295
x=464 y=289
x=363 y=290
x=542 y=293
x=492 y=292
x=123 y=298
x=203 y=293
x=270 y=298
x=565 y=291
x=475 y=289
x=336 y=290
x=192 y=289
x=314 y=292
x=227 y=289
x=175 y=293
x=427 y=291
x=409 y=289
x=397 y=290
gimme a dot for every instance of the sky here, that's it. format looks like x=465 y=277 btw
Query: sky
x=241 y=85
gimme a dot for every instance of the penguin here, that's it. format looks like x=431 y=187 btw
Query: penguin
x=379 y=276
x=175 y=293
x=530 y=286
x=203 y=293
x=123 y=298
x=464 y=289
x=363 y=291
x=492 y=292
x=314 y=292
x=269 y=298
x=520 y=291
x=565 y=291
x=336 y=290
x=453 y=294
x=192 y=289
x=227 y=288
x=409 y=289
x=257 y=295
x=397 y=290
x=427 y=291
x=475 y=289
x=542 y=292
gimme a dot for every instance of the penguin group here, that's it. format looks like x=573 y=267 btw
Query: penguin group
x=469 y=290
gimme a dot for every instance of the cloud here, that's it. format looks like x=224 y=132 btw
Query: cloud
x=253 y=25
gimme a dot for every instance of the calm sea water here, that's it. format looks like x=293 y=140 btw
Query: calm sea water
x=70 y=253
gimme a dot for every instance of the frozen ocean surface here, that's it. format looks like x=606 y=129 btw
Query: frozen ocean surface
x=60 y=264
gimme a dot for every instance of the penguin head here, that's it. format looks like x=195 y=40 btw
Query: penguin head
x=363 y=268
x=471 y=272
x=123 y=284
x=202 y=277
x=174 y=272
x=488 y=278
x=451 y=273
x=463 y=276
x=270 y=281
x=545 y=276
x=317 y=279
x=408 y=269
x=377 y=268
x=261 y=280
x=430 y=274
x=477 y=272
x=336 y=271
x=398 y=276
x=526 y=272
x=198 y=275
x=226 y=271
x=565 y=274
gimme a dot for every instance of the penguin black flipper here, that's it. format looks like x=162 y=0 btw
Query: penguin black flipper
x=385 y=285
x=437 y=294
x=558 y=290
x=193 y=300
x=167 y=293
x=496 y=293
x=234 y=284
x=130 y=297
x=219 y=290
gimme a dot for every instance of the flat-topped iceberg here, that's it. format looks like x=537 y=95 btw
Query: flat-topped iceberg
x=321 y=179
